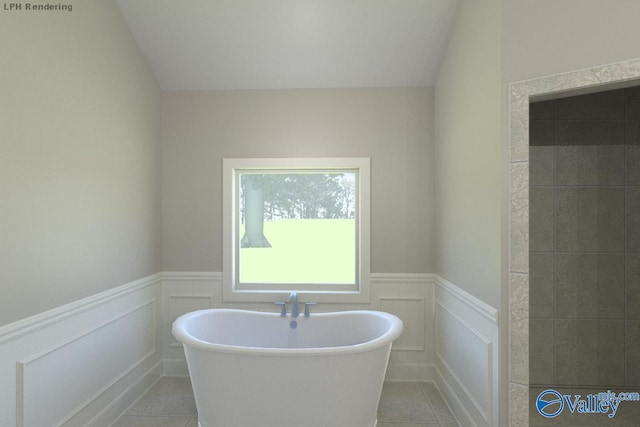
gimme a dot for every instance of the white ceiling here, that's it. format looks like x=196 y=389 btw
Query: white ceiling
x=275 y=44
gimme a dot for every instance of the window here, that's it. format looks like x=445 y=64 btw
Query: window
x=296 y=225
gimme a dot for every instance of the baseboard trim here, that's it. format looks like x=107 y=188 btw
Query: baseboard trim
x=410 y=372
x=121 y=404
x=458 y=409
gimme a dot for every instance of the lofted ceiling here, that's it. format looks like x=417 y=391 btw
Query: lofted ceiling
x=277 y=44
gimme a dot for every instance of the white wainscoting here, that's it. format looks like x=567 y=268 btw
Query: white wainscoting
x=409 y=296
x=84 y=363
x=467 y=350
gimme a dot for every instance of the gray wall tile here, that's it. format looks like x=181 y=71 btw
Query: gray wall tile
x=541 y=219
x=633 y=353
x=633 y=218
x=581 y=279
x=632 y=131
x=542 y=300
x=590 y=352
x=632 y=138
x=589 y=219
x=633 y=165
x=590 y=165
x=590 y=285
x=633 y=285
x=601 y=105
x=541 y=352
x=541 y=110
x=542 y=167
x=632 y=101
x=541 y=132
x=590 y=132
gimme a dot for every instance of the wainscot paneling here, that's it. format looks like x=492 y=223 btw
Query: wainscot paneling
x=84 y=363
x=467 y=350
x=409 y=296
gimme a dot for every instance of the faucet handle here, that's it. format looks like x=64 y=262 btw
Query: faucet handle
x=306 y=308
x=283 y=308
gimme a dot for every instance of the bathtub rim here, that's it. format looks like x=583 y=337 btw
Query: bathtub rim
x=396 y=328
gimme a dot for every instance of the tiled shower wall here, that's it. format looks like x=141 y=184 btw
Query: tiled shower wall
x=585 y=240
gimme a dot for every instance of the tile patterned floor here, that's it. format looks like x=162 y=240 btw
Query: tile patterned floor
x=170 y=403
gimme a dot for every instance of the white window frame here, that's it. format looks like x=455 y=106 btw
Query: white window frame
x=359 y=292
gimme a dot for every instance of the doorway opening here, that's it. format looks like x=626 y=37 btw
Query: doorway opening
x=524 y=207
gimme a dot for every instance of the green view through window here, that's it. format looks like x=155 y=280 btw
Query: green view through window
x=295 y=225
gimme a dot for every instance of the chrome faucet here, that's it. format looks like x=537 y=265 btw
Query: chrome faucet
x=295 y=311
x=307 y=312
x=294 y=304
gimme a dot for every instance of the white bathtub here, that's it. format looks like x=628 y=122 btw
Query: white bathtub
x=255 y=369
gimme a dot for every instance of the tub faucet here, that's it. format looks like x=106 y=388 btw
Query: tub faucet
x=294 y=304
x=307 y=313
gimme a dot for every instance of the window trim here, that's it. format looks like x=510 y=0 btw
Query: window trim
x=356 y=293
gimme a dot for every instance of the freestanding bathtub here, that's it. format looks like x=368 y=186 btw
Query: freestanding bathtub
x=255 y=369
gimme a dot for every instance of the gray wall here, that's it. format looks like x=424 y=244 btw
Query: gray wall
x=79 y=163
x=547 y=37
x=468 y=154
x=585 y=240
x=392 y=126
